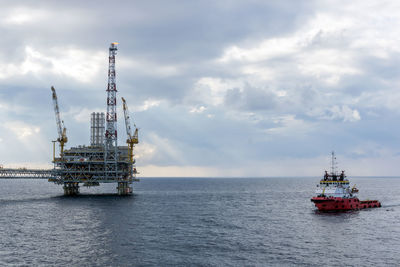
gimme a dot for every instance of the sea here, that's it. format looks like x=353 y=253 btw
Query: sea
x=196 y=222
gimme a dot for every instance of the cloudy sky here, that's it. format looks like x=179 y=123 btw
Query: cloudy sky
x=217 y=88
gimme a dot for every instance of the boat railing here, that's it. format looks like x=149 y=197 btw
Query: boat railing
x=334 y=182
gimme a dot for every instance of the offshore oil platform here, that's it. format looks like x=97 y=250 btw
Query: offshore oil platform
x=103 y=161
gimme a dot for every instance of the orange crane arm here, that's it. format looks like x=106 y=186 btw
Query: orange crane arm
x=62 y=131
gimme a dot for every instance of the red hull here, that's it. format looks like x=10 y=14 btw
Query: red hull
x=343 y=204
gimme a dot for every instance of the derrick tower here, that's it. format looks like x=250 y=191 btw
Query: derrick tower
x=111 y=140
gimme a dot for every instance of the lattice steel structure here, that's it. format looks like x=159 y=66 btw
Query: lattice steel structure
x=97 y=129
x=85 y=164
x=23 y=173
x=111 y=141
x=101 y=162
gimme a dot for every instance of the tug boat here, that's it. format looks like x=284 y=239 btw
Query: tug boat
x=334 y=193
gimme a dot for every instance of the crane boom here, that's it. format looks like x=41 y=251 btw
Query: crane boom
x=127 y=119
x=132 y=138
x=57 y=112
x=62 y=131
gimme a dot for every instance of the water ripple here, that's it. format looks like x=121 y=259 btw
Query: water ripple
x=196 y=222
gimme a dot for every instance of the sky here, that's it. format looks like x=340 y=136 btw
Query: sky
x=218 y=88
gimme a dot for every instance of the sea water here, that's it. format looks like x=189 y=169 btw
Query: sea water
x=196 y=222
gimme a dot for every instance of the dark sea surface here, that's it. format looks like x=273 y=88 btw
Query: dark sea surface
x=196 y=222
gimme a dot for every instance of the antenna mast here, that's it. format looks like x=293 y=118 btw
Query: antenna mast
x=333 y=164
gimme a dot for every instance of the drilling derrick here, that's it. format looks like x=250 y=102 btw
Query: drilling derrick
x=111 y=117
x=111 y=138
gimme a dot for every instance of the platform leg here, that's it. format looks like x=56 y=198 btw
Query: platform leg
x=124 y=189
x=71 y=189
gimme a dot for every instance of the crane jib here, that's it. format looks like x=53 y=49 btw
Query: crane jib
x=62 y=131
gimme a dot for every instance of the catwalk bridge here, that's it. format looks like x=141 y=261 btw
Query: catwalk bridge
x=23 y=173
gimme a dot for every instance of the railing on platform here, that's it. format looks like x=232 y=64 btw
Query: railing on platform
x=24 y=173
x=62 y=176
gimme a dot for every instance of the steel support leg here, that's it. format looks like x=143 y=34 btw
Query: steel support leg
x=71 y=189
x=124 y=189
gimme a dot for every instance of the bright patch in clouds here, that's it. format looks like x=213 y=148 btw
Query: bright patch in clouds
x=80 y=65
x=345 y=113
x=302 y=51
x=147 y=104
x=145 y=152
x=20 y=16
x=327 y=65
x=342 y=113
x=199 y=109
x=80 y=114
x=22 y=130
x=213 y=90
x=166 y=149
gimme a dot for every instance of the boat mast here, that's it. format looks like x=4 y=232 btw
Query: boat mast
x=333 y=164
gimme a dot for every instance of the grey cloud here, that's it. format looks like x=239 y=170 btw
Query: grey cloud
x=251 y=99
x=191 y=36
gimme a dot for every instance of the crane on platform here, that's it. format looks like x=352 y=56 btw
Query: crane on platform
x=132 y=139
x=62 y=131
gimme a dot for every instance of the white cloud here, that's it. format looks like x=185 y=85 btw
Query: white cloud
x=213 y=90
x=167 y=150
x=370 y=149
x=335 y=112
x=29 y=165
x=288 y=125
x=199 y=109
x=80 y=65
x=327 y=65
x=22 y=130
x=147 y=104
x=5 y=106
x=300 y=50
x=259 y=73
x=384 y=98
x=145 y=151
x=267 y=49
x=80 y=114
x=23 y=16
x=148 y=68
x=345 y=113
